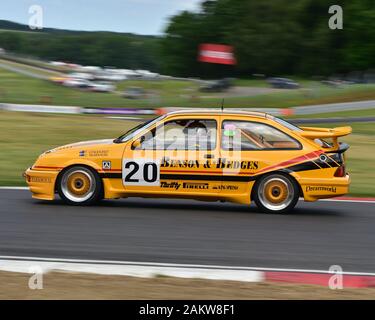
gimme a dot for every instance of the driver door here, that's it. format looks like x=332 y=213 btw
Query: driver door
x=175 y=157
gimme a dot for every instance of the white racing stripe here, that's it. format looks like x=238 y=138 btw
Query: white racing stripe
x=14 y=188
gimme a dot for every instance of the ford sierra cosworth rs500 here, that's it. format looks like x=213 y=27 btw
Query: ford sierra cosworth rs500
x=234 y=156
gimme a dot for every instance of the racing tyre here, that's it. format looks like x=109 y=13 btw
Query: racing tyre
x=80 y=186
x=276 y=193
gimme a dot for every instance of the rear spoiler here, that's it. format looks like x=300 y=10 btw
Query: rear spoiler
x=320 y=133
x=334 y=134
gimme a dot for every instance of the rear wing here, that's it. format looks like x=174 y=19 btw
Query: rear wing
x=322 y=133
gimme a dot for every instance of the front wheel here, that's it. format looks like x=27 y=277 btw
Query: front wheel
x=79 y=185
x=276 y=193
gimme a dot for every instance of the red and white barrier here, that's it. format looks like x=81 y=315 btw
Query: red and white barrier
x=210 y=272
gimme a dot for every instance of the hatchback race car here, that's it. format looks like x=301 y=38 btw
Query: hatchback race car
x=210 y=155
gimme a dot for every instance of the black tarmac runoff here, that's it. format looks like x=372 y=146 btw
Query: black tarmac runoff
x=314 y=237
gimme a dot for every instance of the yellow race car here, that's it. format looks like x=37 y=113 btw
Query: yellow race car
x=210 y=155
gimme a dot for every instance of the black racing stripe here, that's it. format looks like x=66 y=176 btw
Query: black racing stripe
x=206 y=177
x=111 y=175
x=327 y=164
x=310 y=165
x=305 y=166
x=186 y=177
x=322 y=164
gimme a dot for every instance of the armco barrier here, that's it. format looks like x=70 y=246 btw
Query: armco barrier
x=361 y=105
x=78 y=110
x=121 y=111
x=42 y=108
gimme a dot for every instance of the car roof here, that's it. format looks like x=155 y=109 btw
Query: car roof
x=219 y=112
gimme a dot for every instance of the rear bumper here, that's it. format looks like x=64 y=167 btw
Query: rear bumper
x=314 y=189
x=41 y=183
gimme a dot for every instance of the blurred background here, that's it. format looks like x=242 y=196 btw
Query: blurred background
x=66 y=76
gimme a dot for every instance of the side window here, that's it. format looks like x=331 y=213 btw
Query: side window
x=246 y=135
x=189 y=134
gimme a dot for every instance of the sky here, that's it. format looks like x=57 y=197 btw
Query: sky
x=136 y=16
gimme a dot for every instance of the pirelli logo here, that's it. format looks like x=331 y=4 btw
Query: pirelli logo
x=193 y=185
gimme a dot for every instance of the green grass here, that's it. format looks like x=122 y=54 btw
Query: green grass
x=343 y=114
x=31 y=69
x=23 y=136
x=16 y=88
x=36 y=63
x=262 y=82
x=18 y=31
x=251 y=83
x=360 y=163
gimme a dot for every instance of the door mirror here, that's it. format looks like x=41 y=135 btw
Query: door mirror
x=137 y=143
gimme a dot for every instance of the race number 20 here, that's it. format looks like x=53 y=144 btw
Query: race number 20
x=141 y=172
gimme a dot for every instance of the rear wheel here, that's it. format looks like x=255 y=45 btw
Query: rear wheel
x=276 y=193
x=80 y=186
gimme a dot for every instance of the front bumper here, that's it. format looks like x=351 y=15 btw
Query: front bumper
x=323 y=188
x=41 y=183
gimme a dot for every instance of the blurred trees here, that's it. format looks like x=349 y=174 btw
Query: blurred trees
x=273 y=37
x=87 y=48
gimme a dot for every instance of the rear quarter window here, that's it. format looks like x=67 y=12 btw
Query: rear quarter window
x=248 y=135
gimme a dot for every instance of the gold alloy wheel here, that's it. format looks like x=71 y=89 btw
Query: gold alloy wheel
x=275 y=192
x=78 y=184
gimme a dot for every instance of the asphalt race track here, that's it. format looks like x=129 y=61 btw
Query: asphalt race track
x=315 y=236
